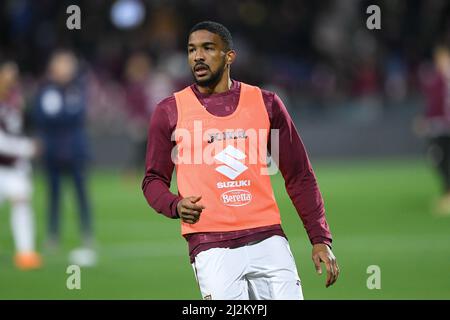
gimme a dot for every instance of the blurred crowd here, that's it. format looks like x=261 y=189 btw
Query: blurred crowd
x=318 y=55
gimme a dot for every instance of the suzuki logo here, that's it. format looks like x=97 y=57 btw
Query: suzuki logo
x=231 y=157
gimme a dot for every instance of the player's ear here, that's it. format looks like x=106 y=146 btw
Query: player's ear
x=231 y=55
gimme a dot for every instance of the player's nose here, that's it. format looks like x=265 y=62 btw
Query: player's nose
x=199 y=56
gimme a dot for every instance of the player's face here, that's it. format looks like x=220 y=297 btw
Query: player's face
x=63 y=68
x=8 y=74
x=207 y=57
x=442 y=60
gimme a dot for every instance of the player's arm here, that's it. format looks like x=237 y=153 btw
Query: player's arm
x=15 y=146
x=302 y=187
x=159 y=169
x=12 y=143
x=159 y=166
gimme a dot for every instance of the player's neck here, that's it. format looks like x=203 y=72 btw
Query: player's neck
x=222 y=86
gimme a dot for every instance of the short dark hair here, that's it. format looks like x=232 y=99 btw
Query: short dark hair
x=217 y=28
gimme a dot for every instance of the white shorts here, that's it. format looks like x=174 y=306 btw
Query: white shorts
x=261 y=271
x=15 y=184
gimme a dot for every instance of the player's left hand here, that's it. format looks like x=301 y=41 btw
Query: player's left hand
x=322 y=253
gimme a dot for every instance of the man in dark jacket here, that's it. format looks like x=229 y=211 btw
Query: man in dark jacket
x=60 y=118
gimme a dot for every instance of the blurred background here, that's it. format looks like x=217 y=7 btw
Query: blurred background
x=356 y=96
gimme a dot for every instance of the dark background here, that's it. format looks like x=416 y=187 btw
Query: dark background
x=353 y=92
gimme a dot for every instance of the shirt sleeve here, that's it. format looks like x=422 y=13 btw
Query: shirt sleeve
x=159 y=166
x=300 y=181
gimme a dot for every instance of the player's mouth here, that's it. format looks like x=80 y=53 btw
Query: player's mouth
x=201 y=70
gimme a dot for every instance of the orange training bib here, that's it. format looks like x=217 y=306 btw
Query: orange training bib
x=223 y=159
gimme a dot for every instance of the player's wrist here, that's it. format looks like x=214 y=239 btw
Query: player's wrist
x=177 y=208
x=173 y=213
x=321 y=240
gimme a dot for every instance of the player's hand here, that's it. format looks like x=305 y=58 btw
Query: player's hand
x=322 y=253
x=188 y=209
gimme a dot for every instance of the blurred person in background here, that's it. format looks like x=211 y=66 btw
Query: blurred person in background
x=15 y=167
x=59 y=113
x=435 y=124
x=138 y=105
x=144 y=87
x=237 y=247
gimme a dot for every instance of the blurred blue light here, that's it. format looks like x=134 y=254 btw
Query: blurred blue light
x=127 y=14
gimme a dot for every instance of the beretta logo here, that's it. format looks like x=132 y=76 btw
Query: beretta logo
x=236 y=198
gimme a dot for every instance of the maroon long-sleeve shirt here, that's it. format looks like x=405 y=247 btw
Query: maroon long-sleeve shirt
x=294 y=165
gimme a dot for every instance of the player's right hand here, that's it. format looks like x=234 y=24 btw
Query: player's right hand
x=188 y=209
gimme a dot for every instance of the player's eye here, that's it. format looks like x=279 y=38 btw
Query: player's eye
x=190 y=50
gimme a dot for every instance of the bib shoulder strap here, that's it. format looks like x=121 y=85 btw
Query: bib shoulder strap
x=252 y=96
x=187 y=103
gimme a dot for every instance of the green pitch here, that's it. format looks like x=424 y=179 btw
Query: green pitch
x=380 y=213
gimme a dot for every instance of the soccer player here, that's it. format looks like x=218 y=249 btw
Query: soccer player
x=435 y=125
x=15 y=181
x=228 y=212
